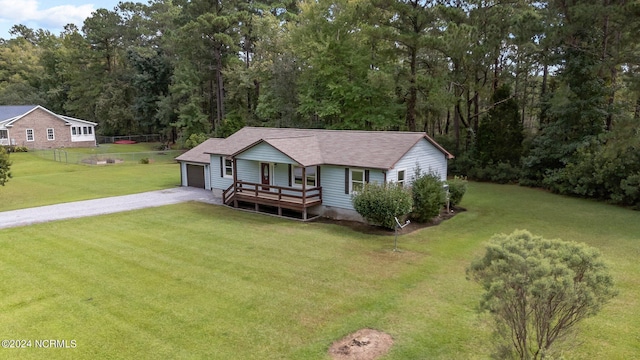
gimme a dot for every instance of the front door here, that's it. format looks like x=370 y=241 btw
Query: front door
x=265 y=175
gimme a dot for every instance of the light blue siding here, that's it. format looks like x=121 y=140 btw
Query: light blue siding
x=218 y=182
x=332 y=178
x=281 y=175
x=248 y=171
x=264 y=152
x=376 y=176
x=333 y=183
x=423 y=154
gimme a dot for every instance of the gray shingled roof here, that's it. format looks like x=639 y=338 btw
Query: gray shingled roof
x=200 y=153
x=308 y=147
x=10 y=111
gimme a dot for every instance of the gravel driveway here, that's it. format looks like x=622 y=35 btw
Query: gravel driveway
x=108 y=205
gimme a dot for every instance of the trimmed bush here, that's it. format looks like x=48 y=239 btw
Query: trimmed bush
x=457 y=189
x=379 y=204
x=5 y=166
x=14 y=148
x=428 y=197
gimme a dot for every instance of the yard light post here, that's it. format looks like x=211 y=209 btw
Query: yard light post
x=448 y=196
x=398 y=226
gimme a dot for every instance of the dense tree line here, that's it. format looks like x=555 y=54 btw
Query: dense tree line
x=545 y=92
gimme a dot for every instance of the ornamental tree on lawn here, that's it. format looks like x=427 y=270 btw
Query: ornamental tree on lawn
x=537 y=290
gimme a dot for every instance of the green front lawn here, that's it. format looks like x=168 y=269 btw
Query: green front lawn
x=37 y=181
x=202 y=281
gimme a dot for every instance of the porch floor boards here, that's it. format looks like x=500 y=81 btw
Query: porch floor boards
x=271 y=199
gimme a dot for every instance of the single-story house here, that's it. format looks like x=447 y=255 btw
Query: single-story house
x=35 y=127
x=308 y=170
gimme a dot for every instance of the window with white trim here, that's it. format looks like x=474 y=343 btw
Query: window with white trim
x=84 y=130
x=50 y=134
x=4 y=134
x=311 y=178
x=401 y=178
x=228 y=167
x=30 y=136
x=74 y=130
x=357 y=180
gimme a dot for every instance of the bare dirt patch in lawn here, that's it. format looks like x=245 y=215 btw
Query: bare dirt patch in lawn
x=364 y=344
x=378 y=230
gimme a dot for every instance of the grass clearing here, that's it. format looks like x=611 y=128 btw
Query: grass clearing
x=202 y=281
x=38 y=181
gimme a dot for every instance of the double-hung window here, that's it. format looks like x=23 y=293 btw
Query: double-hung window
x=228 y=168
x=357 y=180
x=401 y=178
x=310 y=176
x=30 y=135
x=50 y=134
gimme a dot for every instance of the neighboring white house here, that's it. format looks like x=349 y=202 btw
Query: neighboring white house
x=307 y=170
x=35 y=127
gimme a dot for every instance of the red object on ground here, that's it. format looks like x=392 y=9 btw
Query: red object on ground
x=124 y=142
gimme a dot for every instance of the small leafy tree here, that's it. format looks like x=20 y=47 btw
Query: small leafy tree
x=428 y=196
x=379 y=204
x=537 y=290
x=457 y=189
x=5 y=166
x=195 y=139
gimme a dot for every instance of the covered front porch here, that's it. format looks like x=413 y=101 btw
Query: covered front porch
x=278 y=197
x=272 y=175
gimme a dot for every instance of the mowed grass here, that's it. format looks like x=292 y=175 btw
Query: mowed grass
x=37 y=181
x=203 y=281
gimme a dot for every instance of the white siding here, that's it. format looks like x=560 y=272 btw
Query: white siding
x=423 y=154
x=207 y=177
x=183 y=173
x=80 y=128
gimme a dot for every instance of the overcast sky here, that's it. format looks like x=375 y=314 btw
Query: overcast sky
x=51 y=15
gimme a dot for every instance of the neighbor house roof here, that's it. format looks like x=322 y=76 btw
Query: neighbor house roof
x=12 y=113
x=8 y=112
x=308 y=147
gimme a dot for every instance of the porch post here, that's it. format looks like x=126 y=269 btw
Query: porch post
x=304 y=189
x=235 y=171
x=235 y=181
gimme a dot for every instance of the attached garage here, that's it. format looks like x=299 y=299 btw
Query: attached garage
x=195 y=165
x=195 y=176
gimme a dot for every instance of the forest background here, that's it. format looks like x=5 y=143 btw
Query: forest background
x=545 y=93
